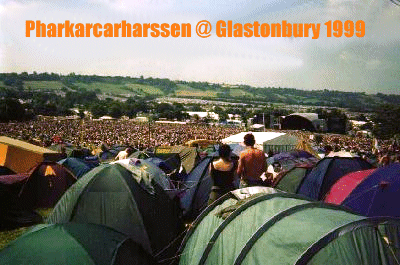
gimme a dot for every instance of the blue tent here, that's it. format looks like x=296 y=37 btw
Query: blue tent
x=198 y=184
x=378 y=194
x=76 y=165
x=327 y=171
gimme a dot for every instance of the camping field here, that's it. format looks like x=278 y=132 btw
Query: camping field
x=9 y=235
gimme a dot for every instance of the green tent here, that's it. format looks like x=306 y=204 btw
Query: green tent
x=74 y=244
x=290 y=181
x=283 y=143
x=284 y=228
x=188 y=155
x=114 y=196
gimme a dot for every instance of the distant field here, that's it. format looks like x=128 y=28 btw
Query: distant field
x=43 y=85
x=145 y=88
x=195 y=93
x=280 y=96
x=235 y=92
x=184 y=87
x=105 y=87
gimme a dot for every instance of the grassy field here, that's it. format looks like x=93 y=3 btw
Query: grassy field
x=43 y=85
x=8 y=236
x=104 y=87
x=145 y=89
x=235 y=92
x=132 y=89
x=195 y=93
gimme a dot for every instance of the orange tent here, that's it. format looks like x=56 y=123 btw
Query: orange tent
x=21 y=156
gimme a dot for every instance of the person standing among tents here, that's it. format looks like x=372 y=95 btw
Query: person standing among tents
x=223 y=173
x=123 y=154
x=252 y=164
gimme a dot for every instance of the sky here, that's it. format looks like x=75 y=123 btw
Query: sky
x=368 y=64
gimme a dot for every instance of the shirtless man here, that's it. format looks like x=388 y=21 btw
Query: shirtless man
x=252 y=164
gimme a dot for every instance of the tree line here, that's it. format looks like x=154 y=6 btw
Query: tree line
x=19 y=103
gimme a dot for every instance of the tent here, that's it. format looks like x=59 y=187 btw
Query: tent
x=306 y=146
x=198 y=183
x=266 y=141
x=345 y=185
x=281 y=228
x=74 y=244
x=42 y=187
x=133 y=204
x=369 y=192
x=327 y=171
x=203 y=143
x=187 y=156
x=290 y=180
x=294 y=158
x=76 y=166
x=69 y=148
x=21 y=156
x=145 y=172
x=5 y=171
x=45 y=185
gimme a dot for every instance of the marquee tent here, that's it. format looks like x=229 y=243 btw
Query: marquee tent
x=266 y=141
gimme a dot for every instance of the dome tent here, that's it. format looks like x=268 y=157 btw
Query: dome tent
x=74 y=244
x=369 y=192
x=76 y=165
x=42 y=187
x=290 y=180
x=326 y=172
x=282 y=228
x=112 y=196
x=195 y=198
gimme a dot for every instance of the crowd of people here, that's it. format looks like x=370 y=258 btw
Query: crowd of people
x=94 y=134
x=90 y=133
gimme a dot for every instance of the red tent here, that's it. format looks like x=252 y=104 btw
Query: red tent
x=345 y=185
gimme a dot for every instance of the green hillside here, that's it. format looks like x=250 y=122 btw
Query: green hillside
x=43 y=85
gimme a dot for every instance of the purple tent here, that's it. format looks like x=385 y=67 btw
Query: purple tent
x=378 y=194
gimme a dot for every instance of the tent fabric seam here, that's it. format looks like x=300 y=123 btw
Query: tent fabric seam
x=238 y=211
x=334 y=234
x=265 y=227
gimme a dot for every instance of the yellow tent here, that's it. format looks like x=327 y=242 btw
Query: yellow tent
x=203 y=143
x=304 y=145
x=21 y=156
